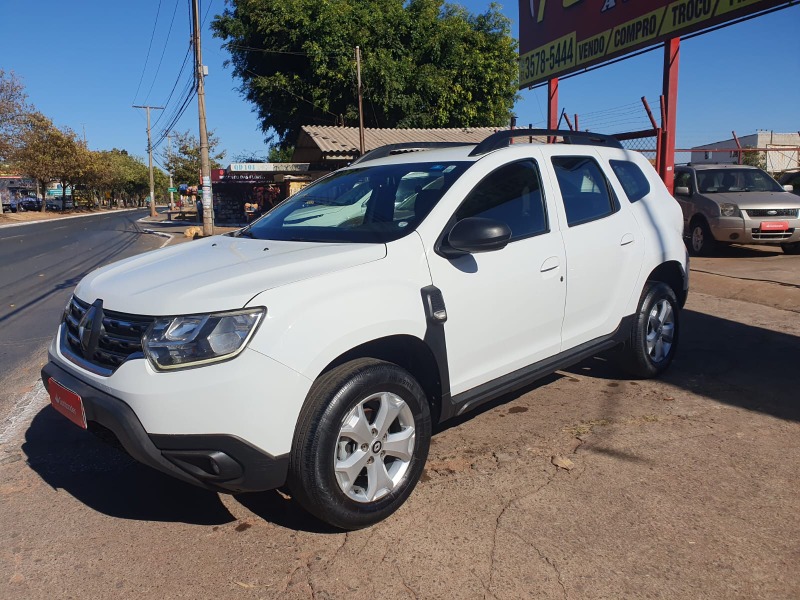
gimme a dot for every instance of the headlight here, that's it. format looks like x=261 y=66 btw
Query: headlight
x=191 y=340
x=728 y=210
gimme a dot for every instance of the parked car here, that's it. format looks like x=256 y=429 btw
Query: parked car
x=318 y=352
x=735 y=204
x=9 y=205
x=31 y=203
x=57 y=203
x=791 y=178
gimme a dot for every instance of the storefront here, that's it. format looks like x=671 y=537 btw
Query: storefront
x=244 y=191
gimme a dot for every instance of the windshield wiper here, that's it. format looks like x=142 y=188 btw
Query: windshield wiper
x=245 y=233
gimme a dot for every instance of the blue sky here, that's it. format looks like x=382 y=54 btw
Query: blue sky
x=83 y=65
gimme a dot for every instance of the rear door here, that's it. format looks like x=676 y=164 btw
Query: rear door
x=604 y=248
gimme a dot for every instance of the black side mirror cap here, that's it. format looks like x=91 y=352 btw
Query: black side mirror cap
x=476 y=234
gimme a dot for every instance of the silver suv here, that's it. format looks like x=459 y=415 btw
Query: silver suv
x=736 y=204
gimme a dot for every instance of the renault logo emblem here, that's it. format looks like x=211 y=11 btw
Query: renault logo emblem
x=90 y=327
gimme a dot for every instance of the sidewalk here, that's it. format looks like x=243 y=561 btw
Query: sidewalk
x=175 y=229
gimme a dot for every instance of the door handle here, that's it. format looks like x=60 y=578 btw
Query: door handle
x=626 y=239
x=550 y=264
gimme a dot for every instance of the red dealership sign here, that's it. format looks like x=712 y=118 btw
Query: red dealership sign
x=558 y=37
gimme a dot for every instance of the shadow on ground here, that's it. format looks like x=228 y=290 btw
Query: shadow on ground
x=733 y=251
x=109 y=481
x=730 y=362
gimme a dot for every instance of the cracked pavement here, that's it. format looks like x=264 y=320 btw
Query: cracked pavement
x=682 y=487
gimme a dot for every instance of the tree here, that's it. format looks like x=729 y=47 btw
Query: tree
x=13 y=112
x=40 y=151
x=184 y=164
x=754 y=158
x=280 y=154
x=425 y=63
x=71 y=162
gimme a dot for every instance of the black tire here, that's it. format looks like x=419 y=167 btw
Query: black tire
x=350 y=501
x=791 y=248
x=701 y=242
x=655 y=333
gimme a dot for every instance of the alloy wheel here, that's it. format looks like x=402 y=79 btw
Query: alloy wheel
x=660 y=330
x=375 y=447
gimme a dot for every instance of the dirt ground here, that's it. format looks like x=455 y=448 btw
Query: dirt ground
x=587 y=485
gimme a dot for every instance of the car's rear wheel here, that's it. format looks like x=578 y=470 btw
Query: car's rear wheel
x=361 y=443
x=701 y=241
x=654 y=337
x=791 y=248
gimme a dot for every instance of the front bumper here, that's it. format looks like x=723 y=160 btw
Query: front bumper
x=218 y=462
x=747 y=230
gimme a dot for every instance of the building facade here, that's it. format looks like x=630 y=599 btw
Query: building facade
x=781 y=151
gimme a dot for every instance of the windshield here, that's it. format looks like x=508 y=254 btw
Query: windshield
x=735 y=180
x=367 y=204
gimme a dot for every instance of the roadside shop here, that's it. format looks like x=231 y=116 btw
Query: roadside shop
x=244 y=191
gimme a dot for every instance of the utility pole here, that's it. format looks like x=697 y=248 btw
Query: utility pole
x=150 y=156
x=169 y=157
x=360 y=104
x=205 y=163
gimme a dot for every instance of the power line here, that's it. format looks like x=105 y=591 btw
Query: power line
x=152 y=36
x=164 y=50
x=187 y=94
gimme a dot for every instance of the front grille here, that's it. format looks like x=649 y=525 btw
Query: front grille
x=771 y=236
x=772 y=212
x=120 y=337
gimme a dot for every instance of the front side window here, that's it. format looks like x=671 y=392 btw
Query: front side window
x=511 y=194
x=584 y=189
x=683 y=179
x=374 y=204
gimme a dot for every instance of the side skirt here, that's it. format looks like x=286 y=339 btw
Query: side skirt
x=466 y=401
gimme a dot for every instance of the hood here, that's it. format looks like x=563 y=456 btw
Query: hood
x=757 y=199
x=217 y=273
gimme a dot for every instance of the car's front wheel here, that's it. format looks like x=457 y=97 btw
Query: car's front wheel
x=361 y=443
x=654 y=337
x=701 y=241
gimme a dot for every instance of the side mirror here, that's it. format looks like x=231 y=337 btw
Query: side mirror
x=683 y=191
x=788 y=188
x=476 y=234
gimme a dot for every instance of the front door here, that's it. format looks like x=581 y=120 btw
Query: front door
x=504 y=307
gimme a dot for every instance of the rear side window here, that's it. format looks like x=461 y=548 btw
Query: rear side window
x=630 y=176
x=511 y=194
x=584 y=189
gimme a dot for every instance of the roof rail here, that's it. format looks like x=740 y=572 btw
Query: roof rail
x=389 y=149
x=502 y=138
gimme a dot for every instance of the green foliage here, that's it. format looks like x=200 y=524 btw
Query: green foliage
x=184 y=159
x=42 y=149
x=424 y=63
x=754 y=158
x=280 y=154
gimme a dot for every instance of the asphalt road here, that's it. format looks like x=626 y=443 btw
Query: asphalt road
x=587 y=485
x=40 y=264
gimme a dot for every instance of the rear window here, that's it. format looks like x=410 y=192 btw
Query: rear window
x=633 y=181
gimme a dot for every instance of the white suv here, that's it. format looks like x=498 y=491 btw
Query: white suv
x=317 y=352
